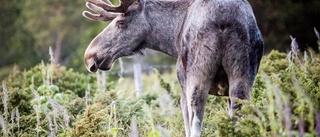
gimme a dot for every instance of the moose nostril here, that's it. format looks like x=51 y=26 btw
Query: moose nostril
x=94 y=67
x=91 y=64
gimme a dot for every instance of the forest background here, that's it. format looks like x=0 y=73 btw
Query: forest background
x=29 y=28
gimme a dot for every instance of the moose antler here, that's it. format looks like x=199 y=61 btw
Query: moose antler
x=108 y=6
x=102 y=14
x=104 y=7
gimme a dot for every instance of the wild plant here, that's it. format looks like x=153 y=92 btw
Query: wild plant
x=51 y=126
x=4 y=120
x=87 y=95
x=37 y=109
x=293 y=55
x=113 y=120
x=134 y=128
x=58 y=109
x=12 y=120
x=318 y=36
x=149 y=118
x=18 y=120
x=3 y=126
x=318 y=123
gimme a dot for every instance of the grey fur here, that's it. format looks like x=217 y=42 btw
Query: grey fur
x=217 y=44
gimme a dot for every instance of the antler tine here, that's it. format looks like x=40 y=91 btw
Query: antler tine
x=108 y=6
x=102 y=14
x=107 y=1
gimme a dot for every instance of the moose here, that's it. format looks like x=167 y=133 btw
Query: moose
x=217 y=44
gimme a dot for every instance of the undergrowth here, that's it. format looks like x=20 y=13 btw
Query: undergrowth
x=51 y=100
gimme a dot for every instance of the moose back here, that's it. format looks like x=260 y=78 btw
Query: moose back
x=217 y=44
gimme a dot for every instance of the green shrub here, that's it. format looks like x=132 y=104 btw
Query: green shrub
x=64 y=86
x=285 y=102
x=90 y=123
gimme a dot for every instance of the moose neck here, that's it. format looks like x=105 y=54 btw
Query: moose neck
x=166 y=18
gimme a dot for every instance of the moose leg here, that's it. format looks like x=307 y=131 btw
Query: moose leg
x=240 y=88
x=198 y=83
x=183 y=98
x=241 y=68
x=197 y=93
x=240 y=85
x=184 y=107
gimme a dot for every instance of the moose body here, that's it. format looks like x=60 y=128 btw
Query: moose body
x=217 y=44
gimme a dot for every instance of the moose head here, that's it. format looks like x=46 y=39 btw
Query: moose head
x=135 y=25
x=122 y=37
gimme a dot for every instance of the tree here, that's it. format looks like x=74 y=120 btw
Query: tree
x=278 y=19
x=55 y=23
x=15 y=40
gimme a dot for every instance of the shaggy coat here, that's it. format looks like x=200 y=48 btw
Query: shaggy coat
x=217 y=44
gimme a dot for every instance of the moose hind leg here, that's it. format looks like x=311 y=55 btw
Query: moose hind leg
x=241 y=74
x=239 y=89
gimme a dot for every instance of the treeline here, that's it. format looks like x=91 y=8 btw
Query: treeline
x=278 y=19
x=29 y=28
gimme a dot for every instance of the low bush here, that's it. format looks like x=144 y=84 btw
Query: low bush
x=29 y=92
x=51 y=100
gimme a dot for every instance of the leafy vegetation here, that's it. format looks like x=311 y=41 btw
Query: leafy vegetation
x=51 y=100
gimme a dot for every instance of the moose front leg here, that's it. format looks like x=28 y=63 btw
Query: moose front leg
x=195 y=85
x=184 y=108
x=197 y=92
x=183 y=98
x=198 y=83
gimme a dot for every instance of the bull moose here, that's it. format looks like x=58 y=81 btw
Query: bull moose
x=217 y=44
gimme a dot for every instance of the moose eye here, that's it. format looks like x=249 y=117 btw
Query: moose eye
x=121 y=23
